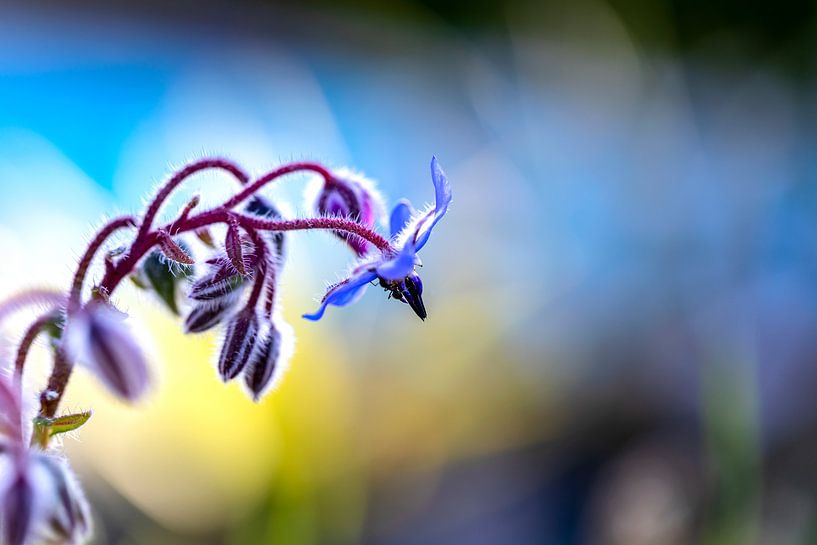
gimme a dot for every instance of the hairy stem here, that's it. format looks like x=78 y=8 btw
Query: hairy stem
x=181 y=176
x=84 y=263
x=28 y=298
x=141 y=246
x=25 y=345
x=52 y=395
x=272 y=175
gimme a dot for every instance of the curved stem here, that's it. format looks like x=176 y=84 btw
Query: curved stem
x=141 y=246
x=84 y=263
x=301 y=224
x=181 y=176
x=29 y=298
x=272 y=175
x=52 y=395
x=25 y=345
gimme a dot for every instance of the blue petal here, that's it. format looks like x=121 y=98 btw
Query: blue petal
x=442 y=198
x=400 y=215
x=343 y=293
x=399 y=266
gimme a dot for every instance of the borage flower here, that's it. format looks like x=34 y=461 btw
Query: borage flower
x=394 y=267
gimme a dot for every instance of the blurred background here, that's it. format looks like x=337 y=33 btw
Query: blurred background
x=621 y=340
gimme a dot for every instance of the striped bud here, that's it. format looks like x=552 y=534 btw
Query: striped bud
x=263 y=366
x=18 y=506
x=239 y=343
x=67 y=518
x=98 y=336
x=216 y=285
x=206 y=316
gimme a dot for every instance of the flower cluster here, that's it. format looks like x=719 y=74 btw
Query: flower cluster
x=218 y=268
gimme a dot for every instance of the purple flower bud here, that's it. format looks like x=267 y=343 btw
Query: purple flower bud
x=68 y=517
x=216 y=285
x=205 y=316
x=98 y=337
x=40 y=499
x=350 y=195
x=11 y=431
x=18 y=506
x=268 y=360
x=239 y=342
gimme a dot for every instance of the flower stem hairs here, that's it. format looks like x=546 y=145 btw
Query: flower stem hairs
x=235 y=287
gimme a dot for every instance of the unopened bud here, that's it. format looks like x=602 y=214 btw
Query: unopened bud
x=68 y=519
x=206 y=316
x=98 y=337
x=221 y=282
x=18 y=508
x=239 y=342
x=267 y=361
x=350 y=195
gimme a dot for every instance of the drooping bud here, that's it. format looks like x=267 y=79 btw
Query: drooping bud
x=268 y=361
x=206 y=316
x=18 y=506
x=239 y=343
x=353 y=196
x=98 y=336
x=40 y=500
x=222 y=281
x=156 y=272
x=68 y=519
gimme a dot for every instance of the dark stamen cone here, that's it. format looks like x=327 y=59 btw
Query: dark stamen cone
x=413 y=295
